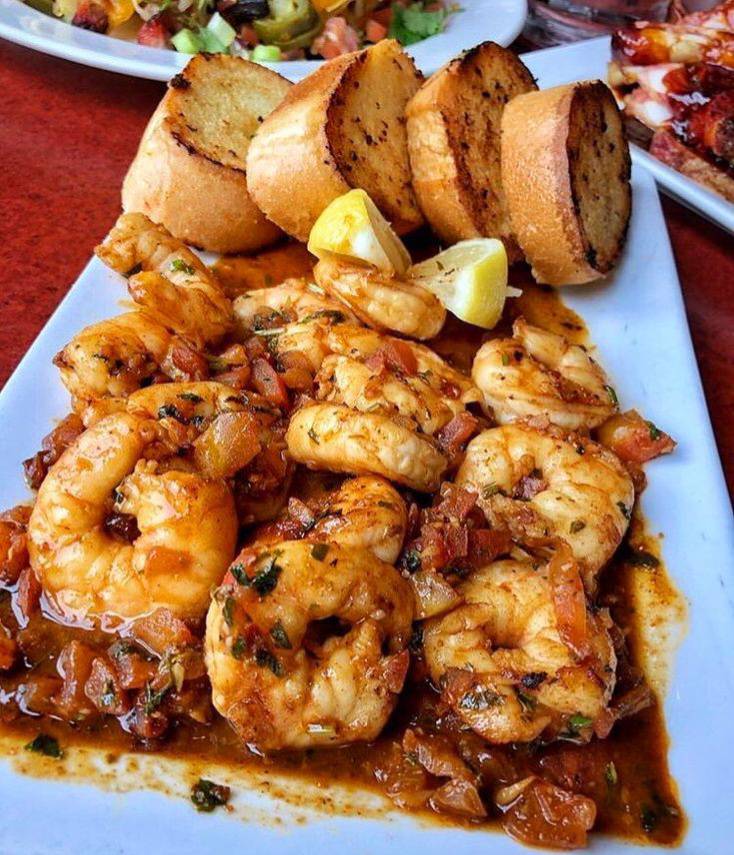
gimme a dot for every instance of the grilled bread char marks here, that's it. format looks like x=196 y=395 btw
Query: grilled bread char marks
x=341 y=127
x=454 y=143
x=566 y=174
x=189 y=171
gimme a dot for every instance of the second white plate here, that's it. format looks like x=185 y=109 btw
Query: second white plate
x=479 y=20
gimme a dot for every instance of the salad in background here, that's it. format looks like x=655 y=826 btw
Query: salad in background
x=263 y=30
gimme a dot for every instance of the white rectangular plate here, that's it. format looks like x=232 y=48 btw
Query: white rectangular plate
x=586 y=60
x=638 y=322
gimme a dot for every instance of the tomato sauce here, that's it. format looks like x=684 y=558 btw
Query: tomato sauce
x=625 y=774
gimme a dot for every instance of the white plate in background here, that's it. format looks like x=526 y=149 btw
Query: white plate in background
x=479 y=20
x=589 y=59
x=637 y=320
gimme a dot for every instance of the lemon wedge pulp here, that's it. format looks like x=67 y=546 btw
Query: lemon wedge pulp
x=470 y=279
x=352 y=226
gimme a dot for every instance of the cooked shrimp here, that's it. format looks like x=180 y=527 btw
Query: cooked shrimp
x=291 y=300
x=175 y=286
x=502 y=662
x=367 y=389
x=276 y=673
x=366 y=513
x=336 y=438
x=539 y=373
x=409 y=357
x=182 y=528
x=386 y=303
x=115 y=357
x=544 y=483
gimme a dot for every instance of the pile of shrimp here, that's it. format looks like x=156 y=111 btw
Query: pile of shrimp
x=455 y=523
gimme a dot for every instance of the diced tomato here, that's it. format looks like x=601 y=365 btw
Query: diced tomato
x=395 y=670
x=569 y=600
x=75 y=665
x=460 y=798
x=39 y=693
x=394 y=356
x=8 y=650
x=13 y=544
x=383 y=16
x=191 y=363
x=633 y=439
x=545 y=815
x=374 y=31
x=27 y=596
x=104 y=690
x=336 y=38
x=153 y=33
x=453 y=436
x=162 y=630
x=269 y=384
x=248 y=36
x=91 y=16
x=133 y=670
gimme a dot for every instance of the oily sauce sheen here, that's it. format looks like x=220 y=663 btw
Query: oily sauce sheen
x=625 y=774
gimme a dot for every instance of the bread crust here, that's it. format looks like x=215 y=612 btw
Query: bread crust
x=541 y=187
x=453 y=125
x=196 y=197
x=293 y=170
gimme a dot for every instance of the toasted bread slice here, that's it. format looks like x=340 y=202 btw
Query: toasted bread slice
x=454 y=144
x=670 y=150
x=341 y=127
x=566 y=177
x=189 y=172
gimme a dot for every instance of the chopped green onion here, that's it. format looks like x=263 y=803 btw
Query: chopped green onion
x=186 y=41
x=221 y=30
x=266 y=53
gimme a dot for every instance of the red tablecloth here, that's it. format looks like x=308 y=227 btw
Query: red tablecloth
x=67 y=135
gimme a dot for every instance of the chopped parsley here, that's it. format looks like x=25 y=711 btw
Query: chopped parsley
x=152 y=699
x=239 y=648
x=109 y=695
x=412 y=561
x=527 y=702
x=416 y=640
x=329 y=314
x=481 y=698
x=280 y=636
x=206 y=795
x=313 y=436
x=46 y=745
x=577 y=721
x=180 y=266
x=191 y=396
x=319 y=551
x=612 y=395
x=655 y=432
x=228 y=610
x=266 y=659
x=169 y=411
x=505 y=359
x=626 y=512
x=238 y=571
x=641 y=558
x=577 y=526
x=489 y=490
x=648 y=819
x=610 y=774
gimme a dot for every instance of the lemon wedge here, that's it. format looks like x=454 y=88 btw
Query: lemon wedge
x=470 y=279
x=352 y=226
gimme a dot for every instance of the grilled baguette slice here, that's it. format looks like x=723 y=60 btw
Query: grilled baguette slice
x=566 y=176
x=454 y=144
x=189 y=171
x=341 y=127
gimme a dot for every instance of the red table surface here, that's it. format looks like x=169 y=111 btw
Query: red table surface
x=67 y=135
